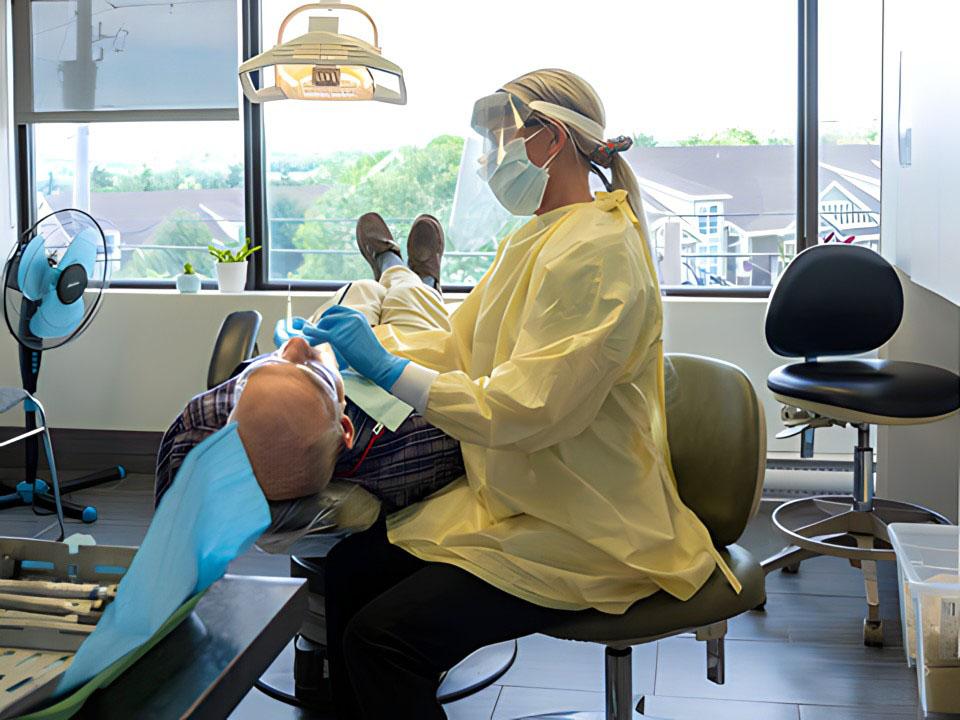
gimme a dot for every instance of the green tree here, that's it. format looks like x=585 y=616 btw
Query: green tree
x=286 y=218
x=857 y=137
x=101 y=180
x=644 y=140
x=730 y=136
x=235 y=175
x=181 y=228
x=399 y=185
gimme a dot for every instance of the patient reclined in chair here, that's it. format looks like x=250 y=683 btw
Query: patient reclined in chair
x=323 y=461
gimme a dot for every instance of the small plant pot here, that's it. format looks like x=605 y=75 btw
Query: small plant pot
x=188 y=283
x=232 y=277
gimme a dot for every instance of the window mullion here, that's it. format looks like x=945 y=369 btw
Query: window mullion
x=254 y=157
x=808 y=136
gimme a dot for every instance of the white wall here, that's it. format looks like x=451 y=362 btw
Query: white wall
x=7 y=187
x=921 y=93
x=147 y=352
x=922 y=463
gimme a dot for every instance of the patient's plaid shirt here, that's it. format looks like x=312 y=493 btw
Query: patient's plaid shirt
x=400 y=468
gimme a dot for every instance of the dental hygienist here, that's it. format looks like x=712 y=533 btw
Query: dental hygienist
x=552 y=380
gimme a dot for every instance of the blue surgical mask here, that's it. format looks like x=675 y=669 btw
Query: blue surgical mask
x=518 y=184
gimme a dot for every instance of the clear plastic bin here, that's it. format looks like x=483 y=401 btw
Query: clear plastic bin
x=928 y=560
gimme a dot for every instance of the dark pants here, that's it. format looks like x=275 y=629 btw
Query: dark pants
x=395 y=623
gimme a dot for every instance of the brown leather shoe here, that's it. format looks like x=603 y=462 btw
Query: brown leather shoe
x=425 y=247
x=374 y=238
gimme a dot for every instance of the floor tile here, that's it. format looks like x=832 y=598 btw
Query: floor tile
x=791 y=673
x=676 y=708
x=255 y=562
x=546 y=662
x=475 y=707
x=821 y=712
x=518 y=702
x=831 y=619
x=22 y=527
x=258 y=706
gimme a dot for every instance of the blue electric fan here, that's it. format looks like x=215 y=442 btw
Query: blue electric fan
x=53 y=286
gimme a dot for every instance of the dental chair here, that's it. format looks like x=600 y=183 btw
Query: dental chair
x=842 y=300
x=717 y=440
x=304 y=683
x=236 y=342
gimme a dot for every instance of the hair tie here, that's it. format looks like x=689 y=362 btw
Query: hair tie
x=604 y=153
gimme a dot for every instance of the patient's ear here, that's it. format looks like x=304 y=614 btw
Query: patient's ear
x=349 y=432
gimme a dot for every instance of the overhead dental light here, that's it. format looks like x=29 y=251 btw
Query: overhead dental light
x=325 y=64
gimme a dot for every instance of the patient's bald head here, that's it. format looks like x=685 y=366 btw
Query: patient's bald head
x=292 y=424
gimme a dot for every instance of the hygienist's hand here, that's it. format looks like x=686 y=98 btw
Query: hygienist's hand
x=352 y=337
x=281 y=333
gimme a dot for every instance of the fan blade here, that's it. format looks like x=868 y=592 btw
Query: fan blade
x=54 y=319
x=83 y=251
x=34 y=275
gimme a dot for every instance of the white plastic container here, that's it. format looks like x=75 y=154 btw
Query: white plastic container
x=928 y=560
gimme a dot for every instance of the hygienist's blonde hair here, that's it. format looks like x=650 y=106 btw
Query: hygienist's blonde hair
x=569 y=90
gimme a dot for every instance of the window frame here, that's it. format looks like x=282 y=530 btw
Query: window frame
x=255 y=169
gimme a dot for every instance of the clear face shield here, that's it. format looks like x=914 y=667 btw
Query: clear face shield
x=498 y=118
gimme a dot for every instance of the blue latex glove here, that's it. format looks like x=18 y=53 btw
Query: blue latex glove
x=280 y=333
x=351 y=336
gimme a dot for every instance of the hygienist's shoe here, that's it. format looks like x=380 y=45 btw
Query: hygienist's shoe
x=374 y=238
x=425 y=247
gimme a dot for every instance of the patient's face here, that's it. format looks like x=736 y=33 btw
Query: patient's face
x=291 y=419
x=299 y=351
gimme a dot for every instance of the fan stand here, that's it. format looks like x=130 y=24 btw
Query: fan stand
x=33 y=491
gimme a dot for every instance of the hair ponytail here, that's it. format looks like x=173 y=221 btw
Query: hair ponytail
x=570 y=91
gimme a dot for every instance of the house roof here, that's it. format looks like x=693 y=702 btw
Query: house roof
x=138 y=215
x=756 y=182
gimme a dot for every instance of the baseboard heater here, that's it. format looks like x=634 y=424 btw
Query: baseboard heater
x=788 y=478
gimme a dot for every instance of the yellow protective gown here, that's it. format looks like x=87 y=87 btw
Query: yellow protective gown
x=552 y=380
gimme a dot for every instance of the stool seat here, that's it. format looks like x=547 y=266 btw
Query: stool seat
x=662 y=615
x=884 y=392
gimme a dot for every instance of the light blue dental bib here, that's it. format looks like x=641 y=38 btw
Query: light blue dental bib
x=213 y=512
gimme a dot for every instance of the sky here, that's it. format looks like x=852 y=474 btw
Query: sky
x=667 y=69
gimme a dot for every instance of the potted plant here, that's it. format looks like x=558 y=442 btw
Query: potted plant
x=232 y=266
x=188 y=281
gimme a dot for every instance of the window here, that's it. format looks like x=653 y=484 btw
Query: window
x=161 y=191
x=133 y=108
x=327 y=164
x=117 y=57
x=708 y=217
x=850 y=88
x=717 y=168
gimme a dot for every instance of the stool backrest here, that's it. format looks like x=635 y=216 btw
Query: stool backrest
x=718 y=445
x=834 y=299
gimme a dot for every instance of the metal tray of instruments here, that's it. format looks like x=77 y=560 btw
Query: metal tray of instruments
x=36 y=647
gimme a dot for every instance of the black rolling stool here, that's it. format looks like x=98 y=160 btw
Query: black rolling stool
x=307 y=685
x=841 y=300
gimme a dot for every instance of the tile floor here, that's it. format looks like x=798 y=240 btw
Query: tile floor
x=802 y=659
